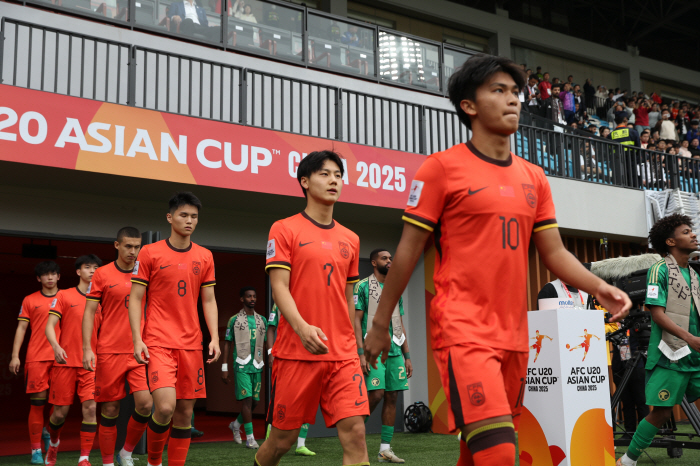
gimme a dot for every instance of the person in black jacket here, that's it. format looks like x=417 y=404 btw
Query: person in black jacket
x=533 y=102
x=554 y=107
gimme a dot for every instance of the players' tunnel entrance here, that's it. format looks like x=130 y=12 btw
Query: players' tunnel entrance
x=20 y=254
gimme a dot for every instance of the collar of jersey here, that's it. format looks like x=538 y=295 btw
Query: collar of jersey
x=325 y=227
x=78 y=290
x=167 y=241
x=47 y=296
x=122 y=270
x=501 y=163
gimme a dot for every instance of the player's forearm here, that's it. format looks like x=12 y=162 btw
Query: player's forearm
x=270 y=336
x=358 y=329
x=404 y=347
x=285 y=302
x=211 y=317
x=407 y=254
x=225 y=351
x=88 y=324
x=51 y=332
x=135 y=317
x=658 y=315
x=19 y=338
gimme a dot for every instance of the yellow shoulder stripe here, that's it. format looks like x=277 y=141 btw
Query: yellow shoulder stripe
x=417 y=223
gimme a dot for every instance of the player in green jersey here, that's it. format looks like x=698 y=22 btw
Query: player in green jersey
x=272 y=324
x=248 y=331
x=673 y=359
x=388 y=378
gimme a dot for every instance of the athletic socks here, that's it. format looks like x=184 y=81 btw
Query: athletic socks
x=387 y=435
x=248 y=427
x=303 y=432
x=55 y=432
x=87 y=438
x=134 y=431
x=465 y=456
x=642 y=439
x=492 y=444
x=36 y=422
x=108 y=438
x=156 y=438
x=301 y=442
x=179 y=445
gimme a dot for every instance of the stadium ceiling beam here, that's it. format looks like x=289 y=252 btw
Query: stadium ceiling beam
x=680 y=11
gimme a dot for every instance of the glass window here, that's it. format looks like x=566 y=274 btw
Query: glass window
x=268 y=28
x=408 y=61
x=453 y=60
x=198 y=19
x=341 y=46
x=113 y=9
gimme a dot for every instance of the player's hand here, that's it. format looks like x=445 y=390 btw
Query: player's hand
x=214 y=351
x=377 y=342
x=141 y=353
x=363 y=364
x=614 y=300
x=694 y=343
x=311 y=338
x=14 y=366
x=88 y=360
x=60 y=355
x=224 y=376
x=409 y=368
x=270 y=359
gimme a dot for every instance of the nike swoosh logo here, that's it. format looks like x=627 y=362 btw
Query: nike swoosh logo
x=301 y=245
x=164 y=267
x=471 y=193
x=360 y=404
x=198 y=389
x=112 y=286
x=37 y=307
x=73 y=305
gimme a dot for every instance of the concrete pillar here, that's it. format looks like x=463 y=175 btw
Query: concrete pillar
x=336 y=7
x=630 y=78
x=499 y=44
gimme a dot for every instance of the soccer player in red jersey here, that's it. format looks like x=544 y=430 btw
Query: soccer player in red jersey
x=34 y=313
x=483 y=204
x=115 y=364
x=171 y=274
x=68 y=307
x=313 y=262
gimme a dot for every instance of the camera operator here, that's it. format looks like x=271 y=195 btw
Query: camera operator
x=673 y=364
x=634 y=407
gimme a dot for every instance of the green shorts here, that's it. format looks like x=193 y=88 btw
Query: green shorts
x=248 y=385
x=666 y=387
x=390 y=376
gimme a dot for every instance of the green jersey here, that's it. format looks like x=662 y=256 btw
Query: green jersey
x=361 y=292
x=657 y=279
x=274 y=317
x=248 y=368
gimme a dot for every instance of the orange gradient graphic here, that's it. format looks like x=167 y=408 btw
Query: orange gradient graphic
x=533 y=445
x=592 y=440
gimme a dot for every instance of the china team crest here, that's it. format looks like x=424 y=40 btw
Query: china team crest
x=281 y=412
x=476 y=394
x=154 y=377
x=196 y=267
x=344 y=249
x=530 y=194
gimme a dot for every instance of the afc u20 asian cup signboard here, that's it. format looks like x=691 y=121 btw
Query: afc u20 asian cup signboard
x=566 y=418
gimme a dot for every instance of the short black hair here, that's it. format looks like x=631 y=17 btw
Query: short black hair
x=664 y=229
x=46 y=267
x=473 y=73
x=313 y=163
x=620 y=117
x=556 y=85
x=247 y=288
x=374 y=254
x=128 y=232
x=184 y=198
x=87 y=259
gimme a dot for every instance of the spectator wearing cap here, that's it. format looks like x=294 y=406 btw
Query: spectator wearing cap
x=693 y=132
x=545 y=87
x=622 y=134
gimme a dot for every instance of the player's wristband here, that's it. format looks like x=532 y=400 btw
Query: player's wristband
x=224 y=368
x=360 y=351
x=269 y=352
x=407 y=355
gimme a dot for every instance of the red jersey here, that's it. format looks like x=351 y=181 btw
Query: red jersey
x=173 y=277
x=111 y=287
x=483 y=213
x=69 y=306
x=322 y=259
x=35 y=310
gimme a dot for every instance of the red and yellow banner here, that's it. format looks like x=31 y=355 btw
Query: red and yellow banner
x=54 y=130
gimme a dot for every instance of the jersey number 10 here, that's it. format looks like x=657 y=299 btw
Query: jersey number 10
x=510 y=233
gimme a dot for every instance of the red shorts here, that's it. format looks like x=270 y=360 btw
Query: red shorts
x=181 y=369
x=111 y=373
x=63 y=385
x=481 y=383
x=298 y=387
x=37 y=375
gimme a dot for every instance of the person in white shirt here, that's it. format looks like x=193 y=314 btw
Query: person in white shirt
x=666 y=127
x=190 y=19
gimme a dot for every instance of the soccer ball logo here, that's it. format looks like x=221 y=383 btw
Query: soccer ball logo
x=375 y=382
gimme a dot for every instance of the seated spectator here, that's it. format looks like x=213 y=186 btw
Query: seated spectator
x=192 y=20
x=350 y=37
x=694 y=147
x=605 y=132
x=244 y=12
x=654 y=171
x=589 y=167
x=683 y=149
x=655 y=136
x=644 y=139
x=545 y=87
x=666 y=127
x=593 y=129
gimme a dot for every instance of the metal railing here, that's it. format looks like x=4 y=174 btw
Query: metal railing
x=142 y=77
